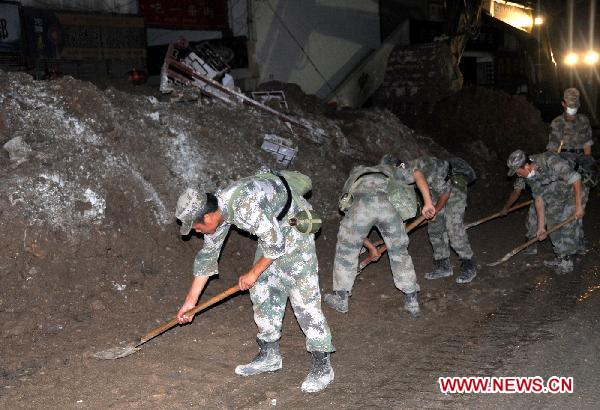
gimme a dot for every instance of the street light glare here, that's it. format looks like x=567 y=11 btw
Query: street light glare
x=591 y=58
x=538 y=21
x=571 y=59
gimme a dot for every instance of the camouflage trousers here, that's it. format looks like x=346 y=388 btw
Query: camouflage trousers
x=448 y=228
x=367 y=211
x=294 y=276
x=578 y=234
x=553 y=212
x=531 y=222
x=574 y=160
x=579 y=223
x=559 y=204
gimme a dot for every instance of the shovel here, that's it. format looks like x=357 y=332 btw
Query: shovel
x=498 y=214
x=118 y=352
x=531 y=242
x=363 y=264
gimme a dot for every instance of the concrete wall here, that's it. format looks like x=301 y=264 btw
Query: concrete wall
x=368 y=76
x=335 y=36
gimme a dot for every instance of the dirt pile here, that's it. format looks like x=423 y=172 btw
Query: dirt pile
x=486 y=123
x=297 y=100
x=88 y=186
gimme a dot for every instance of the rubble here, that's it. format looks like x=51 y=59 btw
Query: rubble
x=282 y=148
x=92 y=252
x=485 y=123
x=199 y=59
x=110 y=165
x=17 y=149
x=273 y=99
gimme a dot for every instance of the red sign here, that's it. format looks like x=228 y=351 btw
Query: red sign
x=188 y=14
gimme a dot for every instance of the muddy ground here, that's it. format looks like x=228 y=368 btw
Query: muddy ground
x=93 y=260
x=515 y=319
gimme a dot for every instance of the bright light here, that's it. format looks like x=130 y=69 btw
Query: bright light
x=538 y=21
x=514 y=14
x=571 y=59
x=520 y=21
x=591 y=58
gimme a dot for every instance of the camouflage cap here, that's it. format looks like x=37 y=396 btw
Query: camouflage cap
x=571 y=97
x=515 y=161
x=189 y=205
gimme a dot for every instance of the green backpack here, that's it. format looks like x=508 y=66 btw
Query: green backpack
x=402 y=196
x=299 y=183
x=306 y=221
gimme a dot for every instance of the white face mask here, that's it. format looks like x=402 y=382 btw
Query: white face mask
x=531 y=174
x=571 y=111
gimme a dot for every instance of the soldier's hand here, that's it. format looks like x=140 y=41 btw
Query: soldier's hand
x=246 y=281
x=503 y=211
x=541 y=234
x=185 y=318
x=428 y=211
x=374 y=254
x=579 y=212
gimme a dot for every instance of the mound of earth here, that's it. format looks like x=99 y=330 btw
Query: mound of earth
x=485 y=123
x=93 y=259
x=88 y=184
x=297 y=100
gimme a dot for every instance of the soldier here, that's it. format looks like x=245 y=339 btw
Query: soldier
x=571 y=136
x=285 y=267
x=448 y=185
x=570 y=132
x=557 y=193
x=371 y=206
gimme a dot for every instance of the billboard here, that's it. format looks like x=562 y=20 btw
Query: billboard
x=63 y=35
x=185 y=14
x=10 y=28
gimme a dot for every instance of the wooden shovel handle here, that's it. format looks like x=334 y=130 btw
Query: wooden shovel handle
x=498 y=214
x=363 y=264
x=415 y=223
x=166 y=326
x=531 y=241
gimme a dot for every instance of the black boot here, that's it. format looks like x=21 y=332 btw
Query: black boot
x=411 y=304
x=338 y=300
x=268 y=359
x=561 y=264
x=441 y=269
x=320 y=375
x=467 y=271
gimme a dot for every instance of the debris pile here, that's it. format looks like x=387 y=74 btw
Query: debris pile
x=88 y=183
x=488 y=124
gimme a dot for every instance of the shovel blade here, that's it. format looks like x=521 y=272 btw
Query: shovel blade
x=116 y=353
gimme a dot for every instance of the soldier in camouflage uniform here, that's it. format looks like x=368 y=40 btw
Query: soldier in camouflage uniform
x=449 y=192
x=557 y=193
x=570 y=132
x=285 y=267
x=371 y=207
x=571 y=136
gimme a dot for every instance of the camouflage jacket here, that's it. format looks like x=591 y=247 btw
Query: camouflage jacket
x=255 y=209
x=574 y=134
x=552 y=174
x=436 y=173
